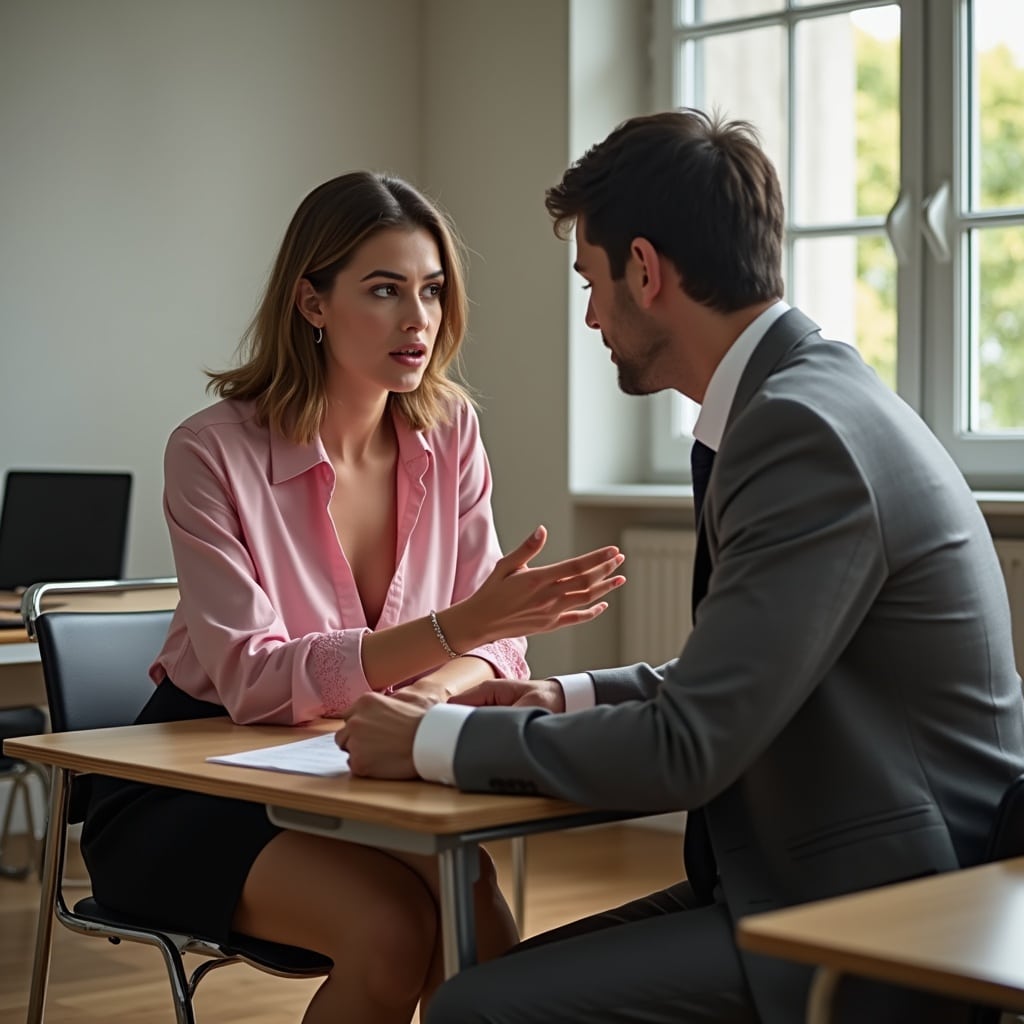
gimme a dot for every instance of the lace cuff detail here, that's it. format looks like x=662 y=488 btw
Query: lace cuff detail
x=507 y=658
x=336 y=666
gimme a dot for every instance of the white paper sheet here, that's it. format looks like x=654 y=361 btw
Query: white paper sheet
x=317 y=756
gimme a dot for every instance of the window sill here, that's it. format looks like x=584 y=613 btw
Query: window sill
x=655 y=496
x=633 y=496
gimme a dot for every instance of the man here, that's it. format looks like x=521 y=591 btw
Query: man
x=846 y=711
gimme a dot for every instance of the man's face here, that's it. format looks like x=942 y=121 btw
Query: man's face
x=631 y=335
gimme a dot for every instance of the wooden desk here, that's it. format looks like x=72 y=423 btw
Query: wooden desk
x=417 y=817
x=958 y=934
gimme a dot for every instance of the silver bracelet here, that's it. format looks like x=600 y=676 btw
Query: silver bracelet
x=441 y=638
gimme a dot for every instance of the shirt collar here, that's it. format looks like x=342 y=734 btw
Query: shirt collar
x=721 y=390
x=288 y=459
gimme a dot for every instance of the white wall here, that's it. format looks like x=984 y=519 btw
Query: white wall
x=609 y=82
x=495 y=136
x=514 y=93
x=151 y=154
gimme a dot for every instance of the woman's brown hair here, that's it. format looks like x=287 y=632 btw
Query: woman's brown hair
x=283 y=370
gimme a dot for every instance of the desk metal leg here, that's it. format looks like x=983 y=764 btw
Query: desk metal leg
x=821 y=994
x=458 y=868
x=519 y=883
x=52 y=866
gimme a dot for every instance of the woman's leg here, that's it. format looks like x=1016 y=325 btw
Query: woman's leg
x=362 y=907
x=496 y=930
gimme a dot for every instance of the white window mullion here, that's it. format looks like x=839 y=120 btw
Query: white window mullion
x=909 y=282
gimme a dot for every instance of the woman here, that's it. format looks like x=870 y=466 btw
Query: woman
x=332 y=532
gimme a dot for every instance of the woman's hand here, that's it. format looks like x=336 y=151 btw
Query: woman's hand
x=517 y=600
x=424 y=693
x=514 y=693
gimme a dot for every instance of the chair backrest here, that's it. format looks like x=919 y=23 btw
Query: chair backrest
x=95 y=665
x=137 y=595
x=97 y=640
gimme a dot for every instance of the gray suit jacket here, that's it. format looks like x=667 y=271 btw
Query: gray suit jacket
x=847 y=707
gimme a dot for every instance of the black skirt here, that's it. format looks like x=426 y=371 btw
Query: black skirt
x=172 y=858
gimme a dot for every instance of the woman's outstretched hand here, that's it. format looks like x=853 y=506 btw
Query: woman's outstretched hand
x=520 y=600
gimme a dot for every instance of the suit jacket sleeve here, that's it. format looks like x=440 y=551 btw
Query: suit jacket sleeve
x=797 y=561
x=631 y=682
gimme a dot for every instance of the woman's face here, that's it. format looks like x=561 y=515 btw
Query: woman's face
x=382 y=314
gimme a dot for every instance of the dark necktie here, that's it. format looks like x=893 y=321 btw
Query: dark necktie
x=701 y=460
x=698 y=854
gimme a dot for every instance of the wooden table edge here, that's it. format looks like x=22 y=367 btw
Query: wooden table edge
x=244 y=783
x=759 y=936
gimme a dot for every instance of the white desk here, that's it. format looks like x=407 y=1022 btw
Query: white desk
x=21 y=676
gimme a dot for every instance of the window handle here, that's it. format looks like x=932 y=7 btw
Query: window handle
x=899 y=226
x=936 y=223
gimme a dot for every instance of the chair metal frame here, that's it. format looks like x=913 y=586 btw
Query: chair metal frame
x=32 y=599
x=90 y=918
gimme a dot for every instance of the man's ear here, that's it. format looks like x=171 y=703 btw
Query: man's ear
x=644 y=271
x=307 y=301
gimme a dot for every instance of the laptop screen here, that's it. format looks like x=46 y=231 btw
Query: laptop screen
x=59 y=526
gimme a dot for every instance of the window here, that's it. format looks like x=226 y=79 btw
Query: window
x=898 y=134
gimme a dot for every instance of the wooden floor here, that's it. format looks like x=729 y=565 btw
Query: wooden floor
x=569 y=875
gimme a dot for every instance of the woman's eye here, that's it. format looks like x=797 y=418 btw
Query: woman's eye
x=586 y=287
x=433 y=291
x=384 y=291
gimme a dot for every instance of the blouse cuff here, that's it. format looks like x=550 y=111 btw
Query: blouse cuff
x=506 y=656
x=336 y=666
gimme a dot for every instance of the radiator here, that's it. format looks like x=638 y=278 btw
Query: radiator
x=656 y=603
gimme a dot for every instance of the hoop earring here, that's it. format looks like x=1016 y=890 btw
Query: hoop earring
x=318 y=335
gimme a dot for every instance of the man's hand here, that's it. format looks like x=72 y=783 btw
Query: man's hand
x=378 y=734
x=515 y=693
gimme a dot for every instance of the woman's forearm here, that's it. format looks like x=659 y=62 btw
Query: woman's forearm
x=410 y=649
x=457 y=675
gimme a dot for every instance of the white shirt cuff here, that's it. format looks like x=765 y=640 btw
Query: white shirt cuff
x=433 y=749
x=578 y=688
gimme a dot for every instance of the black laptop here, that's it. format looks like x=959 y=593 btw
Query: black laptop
x=57 y=526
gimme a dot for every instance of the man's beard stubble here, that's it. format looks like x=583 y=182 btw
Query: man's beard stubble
x=636 y=370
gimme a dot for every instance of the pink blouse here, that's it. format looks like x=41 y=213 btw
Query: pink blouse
x=270 y=624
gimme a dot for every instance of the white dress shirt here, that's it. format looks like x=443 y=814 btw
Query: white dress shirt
x=438 y=733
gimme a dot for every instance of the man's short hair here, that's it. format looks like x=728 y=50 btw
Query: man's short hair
x=700 y=189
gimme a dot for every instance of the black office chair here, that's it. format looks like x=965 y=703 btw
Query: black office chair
x=94 y=669
x=1007 y=838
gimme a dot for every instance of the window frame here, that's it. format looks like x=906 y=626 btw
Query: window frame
x=932 y=299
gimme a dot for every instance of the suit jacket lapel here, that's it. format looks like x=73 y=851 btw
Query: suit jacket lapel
x=791 y=328
x=783 y=335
